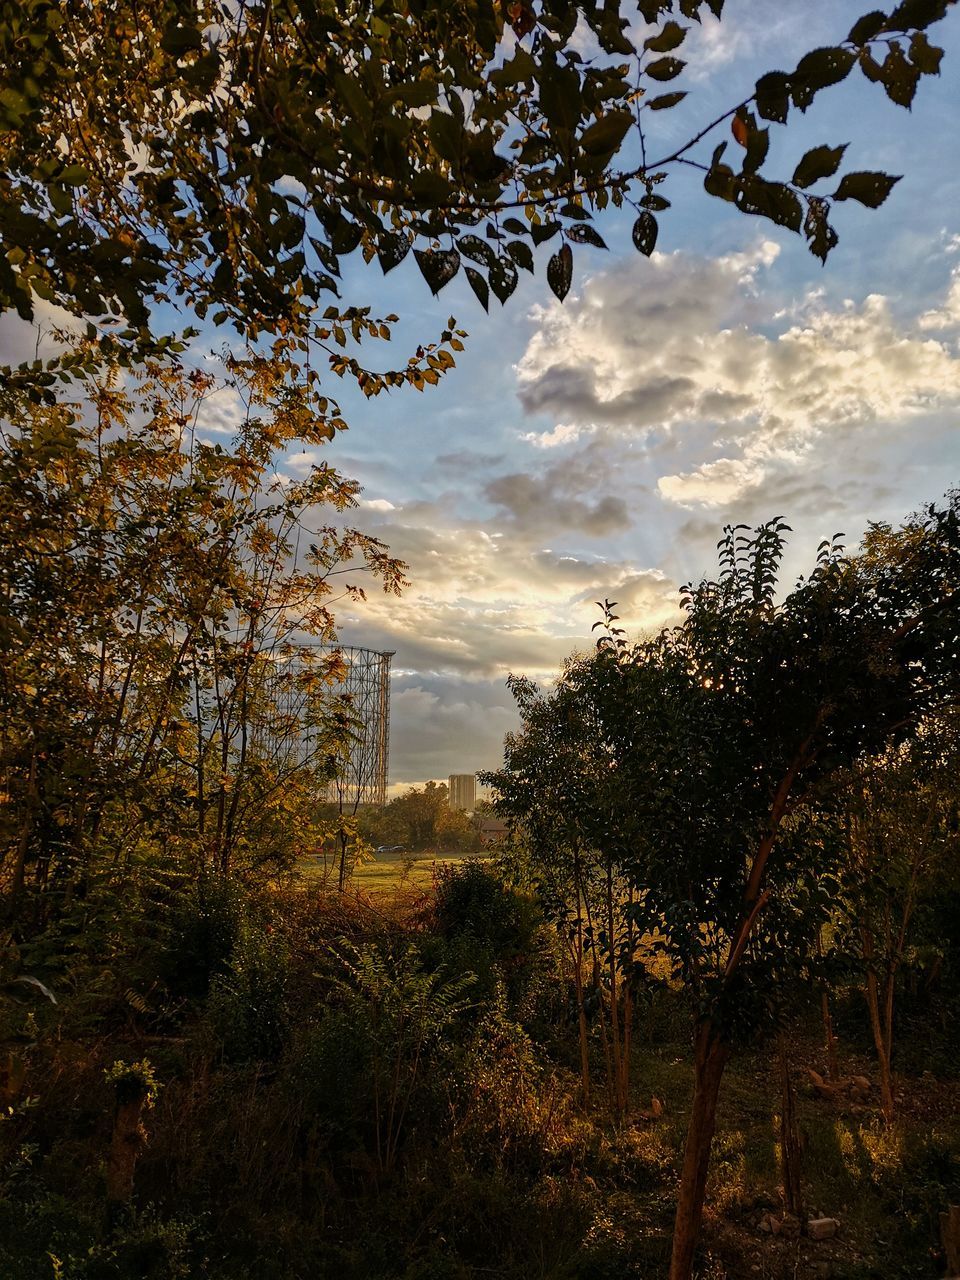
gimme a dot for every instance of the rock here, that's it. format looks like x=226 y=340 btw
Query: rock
x=790 y=1226
x=822 y=1228
x=862 y=1083
x=764 y=1224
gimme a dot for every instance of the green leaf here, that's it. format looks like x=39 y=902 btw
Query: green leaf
x=821 y=237
x=583 y=233
x=666 y=100
x=758 y=143
x=391 y=250
x=437 y=266
x=669 y=38
x=719 y=182
x=521 y=253
x=867 y=27
x=772 y=94
x=477 y=249
x=503 y=279
x=560 y=98
x=917 y=14
x=74 y=175
x=178 y=40
x=645 y=233
x=773 y=200
x=820 y=162
x=560 y=271
x=517 y=69
x=654 y=202
x=870 y=189
x=541 y=231
x=664 y=68
x=818 y=70
x=605 y=135
x=479 y=286
x=924 y=55
x=515 y=226
x=899 y=77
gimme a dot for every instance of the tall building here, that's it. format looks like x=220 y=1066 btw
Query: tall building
x=463 y=791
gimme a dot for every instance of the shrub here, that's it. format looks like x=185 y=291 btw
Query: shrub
x=247 y=1007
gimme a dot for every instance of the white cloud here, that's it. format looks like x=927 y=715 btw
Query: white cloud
x=674 y=344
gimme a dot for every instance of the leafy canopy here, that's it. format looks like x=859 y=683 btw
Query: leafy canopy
x=697 y=754
x=230 y=156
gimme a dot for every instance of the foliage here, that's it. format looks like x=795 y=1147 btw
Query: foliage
x=133 y=1079
x=406 y=1009
x=171 y=661
x=231 y=156
x=717 y=736
x=490 y=929
x=721 y=729
x=248 y=1005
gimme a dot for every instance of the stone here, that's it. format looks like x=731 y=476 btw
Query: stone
x=822 y=1228
x=790 y=1226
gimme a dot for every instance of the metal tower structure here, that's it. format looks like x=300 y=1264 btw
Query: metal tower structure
x=307 y=717
x=365 y=689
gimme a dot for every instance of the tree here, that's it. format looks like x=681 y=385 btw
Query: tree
x=162 y=601
x=569 y=828
x=228 y=157
x=719 y=735
x=900 y=810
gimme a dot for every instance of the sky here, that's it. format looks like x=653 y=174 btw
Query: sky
x=595 y=450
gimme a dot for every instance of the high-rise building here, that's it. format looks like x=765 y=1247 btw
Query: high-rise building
x=463 y=791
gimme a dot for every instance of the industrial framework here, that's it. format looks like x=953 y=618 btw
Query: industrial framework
x=365 y=689
x=340 y=723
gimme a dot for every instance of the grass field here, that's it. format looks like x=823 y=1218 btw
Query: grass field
x=386 y=872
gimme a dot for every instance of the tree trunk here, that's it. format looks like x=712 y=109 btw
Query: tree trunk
x=710 y=1058
x=881 y=1043
x=830 y=1040
x=129 y=1139
x=790 y=1158
x=578 y=986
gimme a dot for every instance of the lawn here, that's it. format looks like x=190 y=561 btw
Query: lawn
x=385 y=872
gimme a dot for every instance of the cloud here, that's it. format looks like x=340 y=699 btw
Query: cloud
x=664 y=348
x=21 y=340
x=530 y=503
x=446 y=724
x=482 y=605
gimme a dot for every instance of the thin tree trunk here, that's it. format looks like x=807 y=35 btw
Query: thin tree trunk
x=616 y=1042
x=27 y=826
x=880 y=1043
x=710 y=1058
x=881 y=1035
x=578 y=985
x=790 y=1156
x=829 y=1039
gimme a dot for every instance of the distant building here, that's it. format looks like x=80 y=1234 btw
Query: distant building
x=492 y=832
x=463 y=791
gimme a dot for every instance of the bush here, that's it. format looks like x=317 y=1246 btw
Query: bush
x=203 y=929
x=489 y=928
x=247 y=1007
